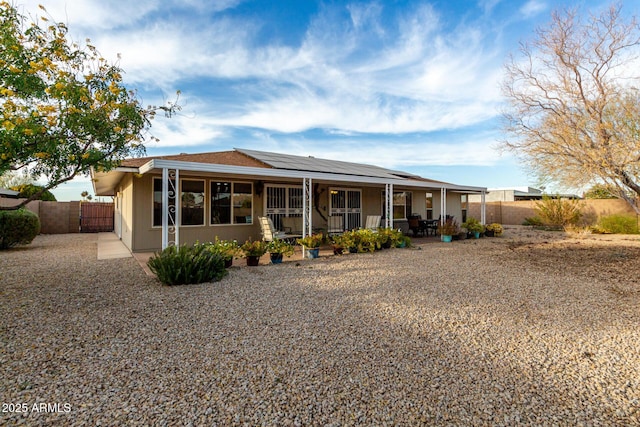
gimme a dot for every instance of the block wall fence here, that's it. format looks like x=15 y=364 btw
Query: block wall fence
x=55 y=217
x=514 y=213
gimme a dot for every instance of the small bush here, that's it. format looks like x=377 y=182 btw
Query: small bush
x=617 y=224
x=187 y=264
x=18 y=227
x=559 y=212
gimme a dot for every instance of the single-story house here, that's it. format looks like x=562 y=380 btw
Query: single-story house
x=184 y=198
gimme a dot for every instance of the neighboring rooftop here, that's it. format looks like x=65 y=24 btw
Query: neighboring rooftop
x=4 y=192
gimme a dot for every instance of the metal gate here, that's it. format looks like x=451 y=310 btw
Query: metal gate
x=96 y=217
x=283 y=201
x=346 y=203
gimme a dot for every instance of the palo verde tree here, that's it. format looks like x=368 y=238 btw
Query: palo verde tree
x=63 y=108
x=574 y=110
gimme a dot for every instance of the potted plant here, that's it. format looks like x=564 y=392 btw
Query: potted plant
x=493 y=229
x=342 y=242
x=312 y=244
x=227 y=249
x=403 y=241
x=388 y=237
x=448 y=229
x=365 y=240
x=279 y=248
x=253 y=250
x=473 y=226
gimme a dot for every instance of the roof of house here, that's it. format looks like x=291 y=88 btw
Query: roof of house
x=233 y=158
x=267 y=164
x=313 y=164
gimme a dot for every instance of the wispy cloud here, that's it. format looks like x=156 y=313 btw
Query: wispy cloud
x=533 y=8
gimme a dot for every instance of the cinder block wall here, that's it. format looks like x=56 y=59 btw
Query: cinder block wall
x=55 y=217
x=514 y=213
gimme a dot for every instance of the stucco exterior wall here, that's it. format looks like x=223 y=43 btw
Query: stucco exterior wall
x=123 y=221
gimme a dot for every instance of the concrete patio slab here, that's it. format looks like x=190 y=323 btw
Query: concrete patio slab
x=111 y=247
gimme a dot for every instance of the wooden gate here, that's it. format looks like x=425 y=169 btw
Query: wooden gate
x=96 y=217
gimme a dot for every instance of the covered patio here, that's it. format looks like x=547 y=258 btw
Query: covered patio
x=199 y=197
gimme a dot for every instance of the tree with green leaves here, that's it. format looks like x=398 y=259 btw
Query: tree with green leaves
x=63 y=108
x=574 y=103
x=34 y=192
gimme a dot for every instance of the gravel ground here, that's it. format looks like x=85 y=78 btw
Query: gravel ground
x=533 y=328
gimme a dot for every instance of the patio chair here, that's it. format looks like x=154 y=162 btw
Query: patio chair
x=269 y=232
x=373 y=222
x=335 y=224
x=415 y=226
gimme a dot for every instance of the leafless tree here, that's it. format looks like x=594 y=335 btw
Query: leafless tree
x=574 y=111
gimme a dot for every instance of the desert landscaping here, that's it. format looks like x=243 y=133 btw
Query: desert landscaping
x=532 y=328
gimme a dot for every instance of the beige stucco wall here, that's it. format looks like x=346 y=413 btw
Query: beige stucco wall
x=123 y=221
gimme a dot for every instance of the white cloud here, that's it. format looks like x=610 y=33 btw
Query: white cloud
x=184 y=131
x=533 y=8
x=349 y=74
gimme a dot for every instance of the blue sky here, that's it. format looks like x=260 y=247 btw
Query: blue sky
x=409 y=85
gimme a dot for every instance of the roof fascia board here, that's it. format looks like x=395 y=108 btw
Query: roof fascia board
x=287 y=173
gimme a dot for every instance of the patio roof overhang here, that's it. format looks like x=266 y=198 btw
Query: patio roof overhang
x=157 y=165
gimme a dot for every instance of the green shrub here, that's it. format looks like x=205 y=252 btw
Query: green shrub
x=618 y=224
x=187 y=264
x=559 y=212
x=18 y=227
x=28 y=190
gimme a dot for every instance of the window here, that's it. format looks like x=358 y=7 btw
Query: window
x=402 y=206
x=464 y=204
x=429 y=204
x=157 y=202
x=192 y=197
x=231 y=203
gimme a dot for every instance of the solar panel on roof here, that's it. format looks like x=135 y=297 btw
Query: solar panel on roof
x=291 y=162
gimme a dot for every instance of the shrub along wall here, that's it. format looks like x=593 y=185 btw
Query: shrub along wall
x=55 y=217
x=514 y=213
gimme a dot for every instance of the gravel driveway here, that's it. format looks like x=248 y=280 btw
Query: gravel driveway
x=532 y=328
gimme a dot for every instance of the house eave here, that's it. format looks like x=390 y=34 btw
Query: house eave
x=104 y=183
x=159 y=164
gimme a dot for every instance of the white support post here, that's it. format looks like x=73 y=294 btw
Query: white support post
x=170 y=208
x=483 y=209
x=443 y=205
x=388 y=215
x=307 y=209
